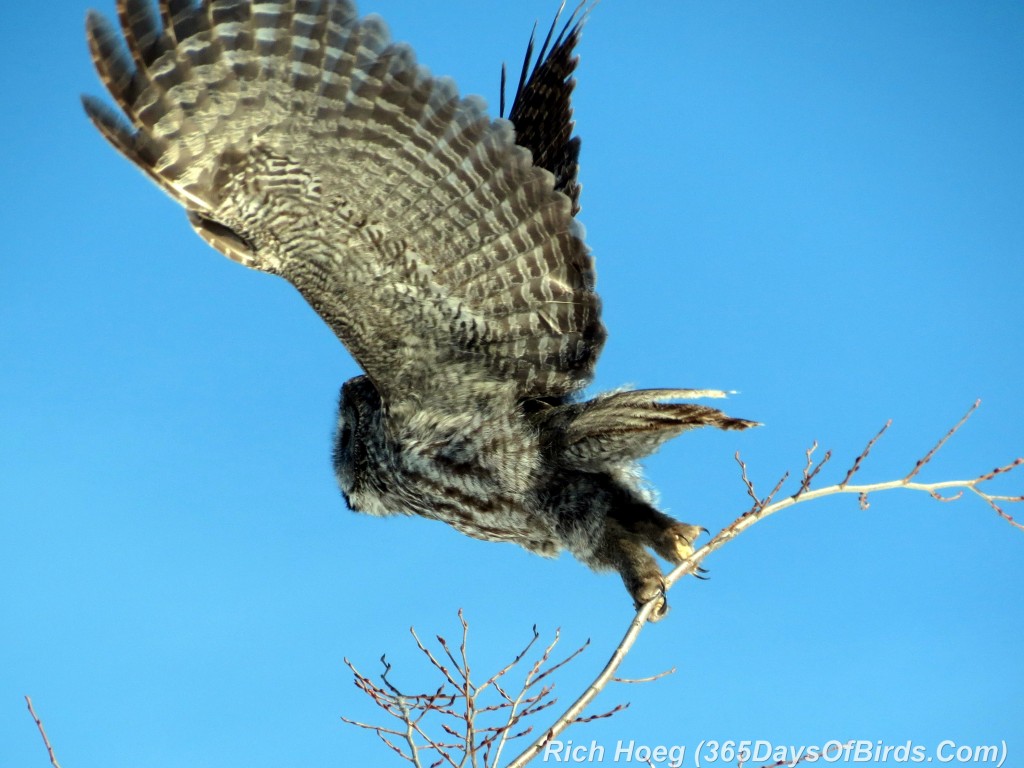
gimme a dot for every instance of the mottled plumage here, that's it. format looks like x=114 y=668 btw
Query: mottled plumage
x=438 y=244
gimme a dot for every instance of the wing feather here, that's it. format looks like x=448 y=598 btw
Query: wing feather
x=542 y=108
x=303 y=142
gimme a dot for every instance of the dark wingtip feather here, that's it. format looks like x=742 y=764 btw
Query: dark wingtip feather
x=112 y=62
x=542 y=110
x=112 y=125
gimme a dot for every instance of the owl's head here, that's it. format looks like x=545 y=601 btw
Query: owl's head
x=358 y=430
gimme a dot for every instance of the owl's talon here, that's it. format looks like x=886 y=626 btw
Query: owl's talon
x=660 y=610
x=650 y=589
x=680 y=541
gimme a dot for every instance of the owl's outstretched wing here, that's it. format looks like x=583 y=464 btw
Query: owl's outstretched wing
x=303 y=142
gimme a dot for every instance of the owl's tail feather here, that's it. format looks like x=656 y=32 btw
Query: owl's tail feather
x=626 y=426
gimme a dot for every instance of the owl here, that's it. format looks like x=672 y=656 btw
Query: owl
x=439 y=244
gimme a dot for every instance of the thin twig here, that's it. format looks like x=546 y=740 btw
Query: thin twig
x=811 y=471
x=410 y=728
x=508 y=667
x=864 y=454
x=42 y=732
x=515 y=714
x=649 y=679
x=554 y=668
x=928 y=457
x=591 y=718
x=749 y=485
x=438 y=665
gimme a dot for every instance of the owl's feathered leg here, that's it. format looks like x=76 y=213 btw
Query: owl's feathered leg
x=624 y=551
x=595 y=495
x=664 y=534
x=633 y=525
x=610 y=526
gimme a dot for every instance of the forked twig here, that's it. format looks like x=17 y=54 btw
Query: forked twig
x=811 y=470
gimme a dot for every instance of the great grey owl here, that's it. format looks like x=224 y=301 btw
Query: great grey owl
x=439 y=245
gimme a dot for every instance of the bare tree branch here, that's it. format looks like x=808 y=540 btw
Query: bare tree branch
x=764 y=508
x=474 y=728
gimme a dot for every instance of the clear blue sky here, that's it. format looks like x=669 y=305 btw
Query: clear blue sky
x=820 y=205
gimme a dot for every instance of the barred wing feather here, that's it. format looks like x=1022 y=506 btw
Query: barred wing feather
x=304 y=143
